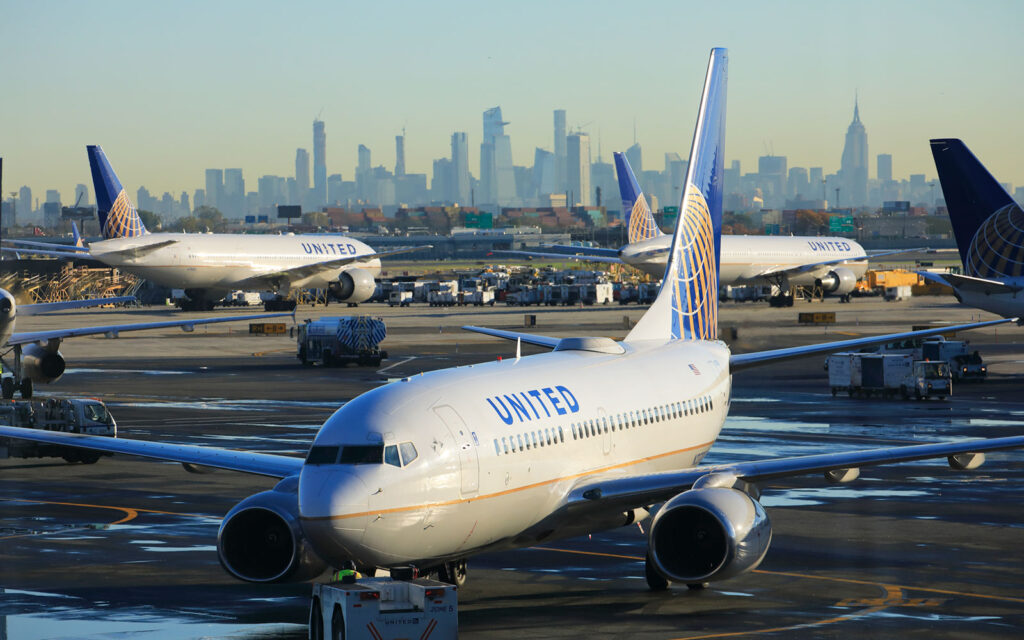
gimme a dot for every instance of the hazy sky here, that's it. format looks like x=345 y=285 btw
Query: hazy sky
x=171 y=88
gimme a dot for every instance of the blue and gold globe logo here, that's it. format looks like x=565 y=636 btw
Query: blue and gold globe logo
x=997 y=250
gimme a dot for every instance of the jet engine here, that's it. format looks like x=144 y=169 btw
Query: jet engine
x=839 y=281
x=354 y=285
x=40 y=364
x=708 y=534
x=261 y=539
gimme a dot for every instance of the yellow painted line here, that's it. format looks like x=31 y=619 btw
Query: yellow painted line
x=542 y=483
x=848 y=333
x=260 y=354
x=130 y=513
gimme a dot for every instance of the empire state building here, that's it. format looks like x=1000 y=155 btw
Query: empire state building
x=854 y=167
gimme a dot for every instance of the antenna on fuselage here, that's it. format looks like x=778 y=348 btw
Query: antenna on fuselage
x=519 y=348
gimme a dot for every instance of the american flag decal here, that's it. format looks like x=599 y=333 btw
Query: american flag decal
x=694 y=369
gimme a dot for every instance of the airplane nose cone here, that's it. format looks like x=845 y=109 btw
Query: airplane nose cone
x=333 y=505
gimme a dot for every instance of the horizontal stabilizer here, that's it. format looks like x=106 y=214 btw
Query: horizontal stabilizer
x=528 y=338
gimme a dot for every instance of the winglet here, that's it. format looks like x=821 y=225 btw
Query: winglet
x=687 y=304
x=640 y=222
x=117 y=215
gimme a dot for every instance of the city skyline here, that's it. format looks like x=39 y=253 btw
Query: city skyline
x=224 y=101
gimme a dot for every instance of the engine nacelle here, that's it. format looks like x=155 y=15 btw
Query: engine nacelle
x=354 y=285
x=709 y=534
x=261 y=539
x=41 y=365
x=839 y=281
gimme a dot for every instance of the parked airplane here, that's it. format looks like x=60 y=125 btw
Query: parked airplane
x=989 y=229
x=36 y=355
x=832 y=263
x=435 y=468
x=209 y=265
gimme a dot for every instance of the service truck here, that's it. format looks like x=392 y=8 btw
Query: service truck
x=866 y=374
x=337 y=341
x=70 y=415
x=383 y=608
x=964 y=364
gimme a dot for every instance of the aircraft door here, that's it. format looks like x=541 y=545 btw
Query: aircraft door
x=467 y=444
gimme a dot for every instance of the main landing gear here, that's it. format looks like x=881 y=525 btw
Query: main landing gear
x=453 y=572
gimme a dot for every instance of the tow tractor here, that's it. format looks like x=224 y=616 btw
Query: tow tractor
x=74 y=415
x=384 y=608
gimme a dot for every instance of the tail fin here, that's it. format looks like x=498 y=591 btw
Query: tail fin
x=640 y=223
x=77 y=236
x=117 y=215
x=988 y=224
x=687 y=304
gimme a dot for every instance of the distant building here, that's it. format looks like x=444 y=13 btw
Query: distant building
x=558 y=185
x=798 y=183
x=885 y=167
x=578 y=168
x=234 y=205
x=399 y=156
x=81 y=195
x=544 y=172
x=459 y=191
x=772 y=180
x=24 y=208
x=853 y=169
x=214 y=187
x=497 y=177
x=299 y=193
x=635 y=156
x=199 y=198
x=319 y=163
x=366 y=188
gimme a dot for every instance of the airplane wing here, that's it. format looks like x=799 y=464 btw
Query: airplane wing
x=186 y=325
x=625 y=492
x=528 y=338
x=878 y=254
x=970 y=283
x=565 y=256
x=778 y=270
x=740 y=361
x=142 y=250
x=264 y=464
x=72 y=255
x=274 y=279
x=46 y=245
x=47 y=307
x=590 y=251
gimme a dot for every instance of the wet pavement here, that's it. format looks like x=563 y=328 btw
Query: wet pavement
x=125 y=547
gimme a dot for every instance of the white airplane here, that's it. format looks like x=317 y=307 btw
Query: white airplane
x=209 y=265
x=435 y=468
x=989 y=229
x=36 y=355
x=832 y=263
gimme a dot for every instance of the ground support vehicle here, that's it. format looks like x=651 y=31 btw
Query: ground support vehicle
x=383 y=608
x=964 y=364
x=400 y=298
x=337 y=341
x=71 y=415
x=867 y=374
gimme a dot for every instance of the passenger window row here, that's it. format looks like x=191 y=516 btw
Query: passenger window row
x=604 y=424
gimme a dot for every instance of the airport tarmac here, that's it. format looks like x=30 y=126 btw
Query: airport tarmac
x=126 y=547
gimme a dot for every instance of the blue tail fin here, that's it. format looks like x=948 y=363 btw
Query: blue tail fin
x=640 y=222
x=988 y=224
x=687 y=304
x=117 y=215
x=76 y=236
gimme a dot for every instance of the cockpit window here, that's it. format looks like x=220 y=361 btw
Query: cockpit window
x=408 y=452
x=362 y=454
x=391 y=455
x=322 y=455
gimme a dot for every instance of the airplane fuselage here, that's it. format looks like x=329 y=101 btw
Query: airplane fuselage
x=222 y=262
x=743 y=257
x=1007 y=305
x=500 y=445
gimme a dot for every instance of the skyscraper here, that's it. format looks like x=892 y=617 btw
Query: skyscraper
x=214 y=187
x=24 y=207
x=578 y=168
x=233 y=201
x=635 y=156
x=559 y=160
x=772 y=180
x=400 y=156
x=497 y=177
x=854 y=166
x=366 y=189
x=459 y=189
x=319 y=163
x=302 y=171
x=885 y=167
x=81 y=195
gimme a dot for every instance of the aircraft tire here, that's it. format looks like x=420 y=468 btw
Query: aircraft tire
x=655 y=581
x=453 y=573
x=8 y=388
x=26 y=388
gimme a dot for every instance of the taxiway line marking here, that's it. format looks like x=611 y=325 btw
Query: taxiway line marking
x=392 y=366
x=260 y=354
x=807 y=576
x=130 y=513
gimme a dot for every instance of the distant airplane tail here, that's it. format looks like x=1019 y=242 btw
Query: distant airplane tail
x=687 y=304
x=117 y=215
x=987 y=223
x=640 y=223
x=77 y=236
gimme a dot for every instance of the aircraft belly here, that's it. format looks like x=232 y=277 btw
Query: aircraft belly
x=1008 y=305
